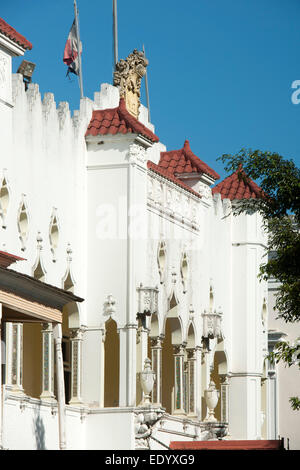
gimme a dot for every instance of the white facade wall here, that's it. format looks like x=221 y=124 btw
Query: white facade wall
x=113 y=213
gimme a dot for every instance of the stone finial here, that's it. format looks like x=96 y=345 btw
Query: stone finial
x=128 y=76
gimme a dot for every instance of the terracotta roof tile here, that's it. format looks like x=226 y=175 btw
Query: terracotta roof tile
x=6 y=259
x=185 y=161
x=12 y=34
x=117 y=121
x=235 y=187
x=169 y=176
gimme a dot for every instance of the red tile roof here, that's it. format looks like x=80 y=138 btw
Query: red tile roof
x=235 y=187
x=184 y=160
x=165 y=174
x=6 y=259
x=12 y=34
x=228 y=445
x=117 y=121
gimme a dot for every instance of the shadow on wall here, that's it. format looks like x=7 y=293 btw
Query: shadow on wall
x=39 y=431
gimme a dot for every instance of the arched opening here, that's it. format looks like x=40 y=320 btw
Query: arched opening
x=172 y=380
x=219 y=376
x=32 y=359
x=111 y=365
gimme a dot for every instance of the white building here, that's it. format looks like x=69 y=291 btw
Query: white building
x=98 y=207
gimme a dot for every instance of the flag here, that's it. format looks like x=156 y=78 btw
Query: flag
x=71 y=58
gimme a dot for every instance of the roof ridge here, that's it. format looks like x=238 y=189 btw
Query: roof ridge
x=192 y=159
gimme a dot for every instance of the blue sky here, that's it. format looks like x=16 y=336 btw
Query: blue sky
x=220 y=72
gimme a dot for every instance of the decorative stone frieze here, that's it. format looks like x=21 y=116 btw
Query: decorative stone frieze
x=173 y=201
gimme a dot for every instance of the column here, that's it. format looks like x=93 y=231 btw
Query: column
x=57 y=331
x=178 y=380
x=205 y=377
x=48 y=363
x=17 y=358
x=224 y=397
x=192 y=383
x=76 y=366
x=156 y=352
x=198 y=382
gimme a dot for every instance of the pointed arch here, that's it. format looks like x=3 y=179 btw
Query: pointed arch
x=68 y=282
x=38 y=271
x=191 y=336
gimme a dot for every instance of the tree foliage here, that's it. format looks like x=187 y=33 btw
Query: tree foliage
x=279 y=180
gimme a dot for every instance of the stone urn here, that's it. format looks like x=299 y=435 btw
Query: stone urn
x=211 y=397
x=147 y=381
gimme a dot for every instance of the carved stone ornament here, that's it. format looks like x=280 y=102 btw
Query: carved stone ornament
x=128 y=76
x=109 y=306
x=212 y=324
x=148 y=300
x=137 y=154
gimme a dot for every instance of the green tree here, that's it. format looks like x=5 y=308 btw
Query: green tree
x=279 y=180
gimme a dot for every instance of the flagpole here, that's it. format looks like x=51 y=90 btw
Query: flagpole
x=147 y=90
x=78 y=48
x=115 y=28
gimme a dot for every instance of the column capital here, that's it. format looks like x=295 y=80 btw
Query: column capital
x=178 y=349
x=156 y=342
x=76 y=334
x=191 y=354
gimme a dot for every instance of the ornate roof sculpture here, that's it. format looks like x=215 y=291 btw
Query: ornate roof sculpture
x=128 y=76
x=117 y=121
x=238 y=187
x=12 y=34
x=178 y=162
